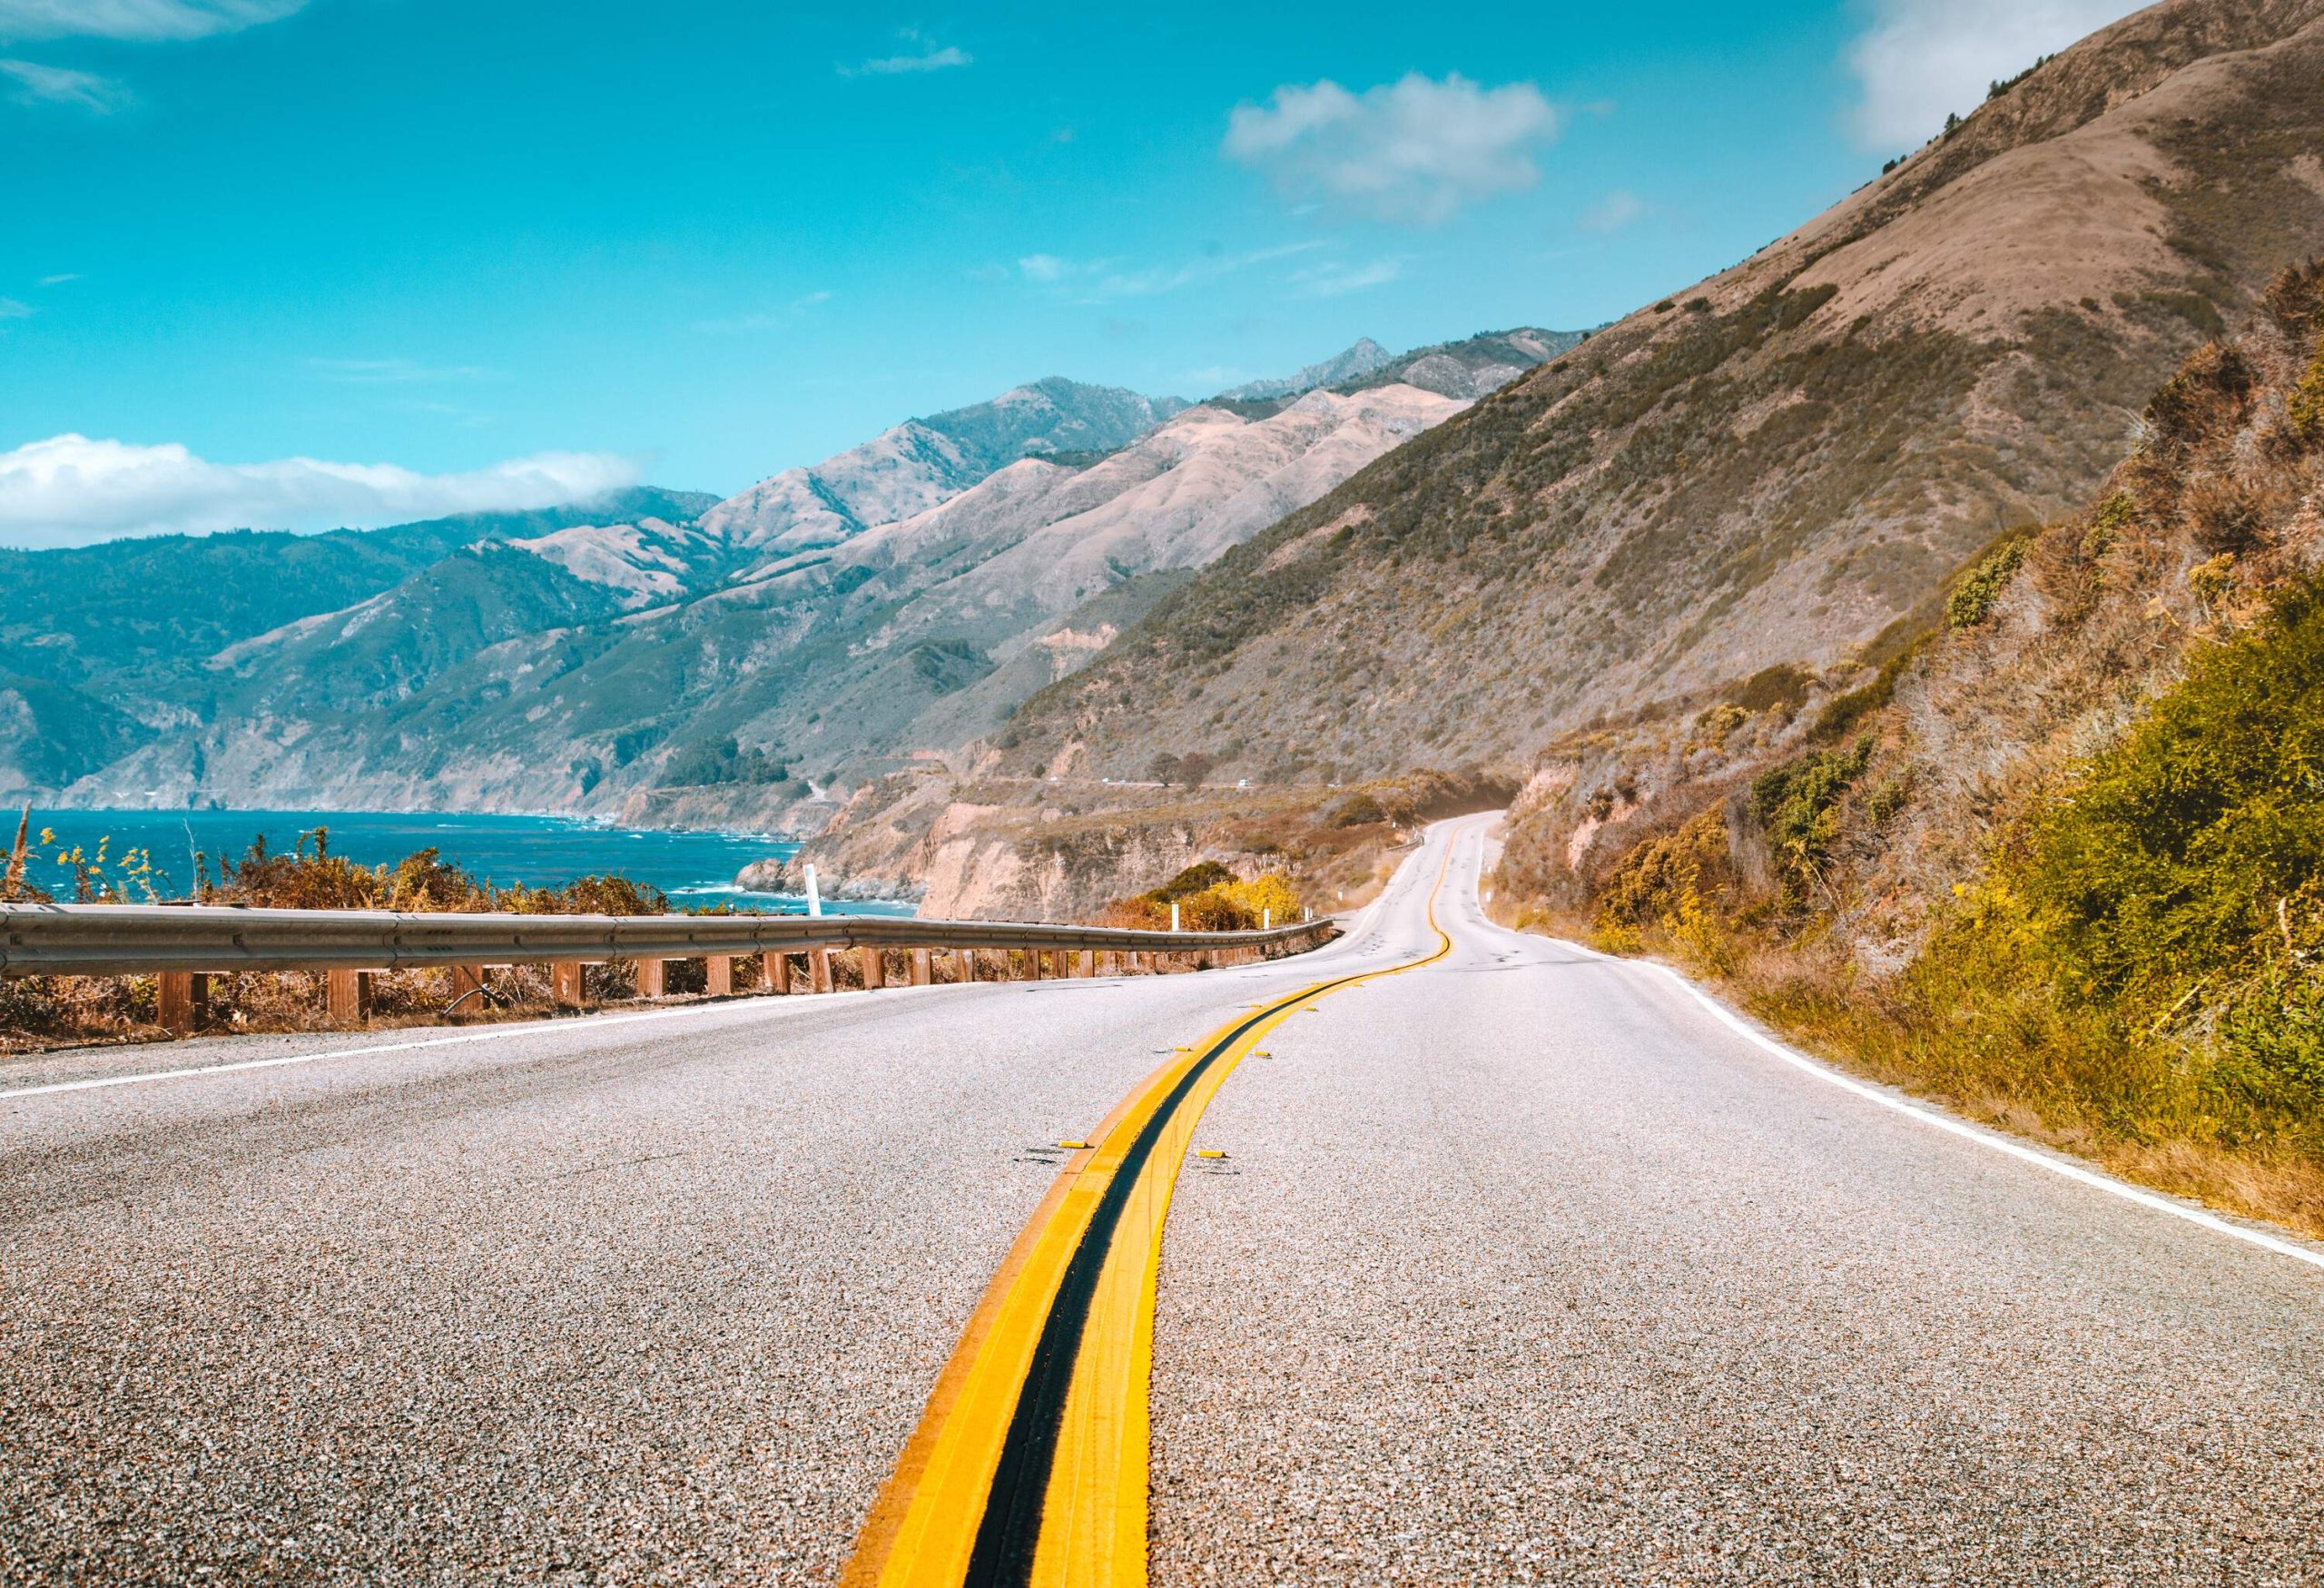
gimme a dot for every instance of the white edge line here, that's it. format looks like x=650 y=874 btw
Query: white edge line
x=2023 y=1153
x=532 y=1028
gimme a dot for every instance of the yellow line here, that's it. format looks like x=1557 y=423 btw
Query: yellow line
x=923 y=1527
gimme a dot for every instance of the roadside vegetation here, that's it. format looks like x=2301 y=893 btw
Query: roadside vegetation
x=2057 y=859
x=1211 y=898
x=44 y=1010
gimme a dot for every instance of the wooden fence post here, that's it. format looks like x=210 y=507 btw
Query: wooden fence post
x=968 y=958
x=923 y=968
x=183 y=1001
x=347 y=994
x=468 y=985
x=722 y=975
x=653 y=978
x=1088 y=966
x=776 y=972
x=566 y=986
x=875 y=966
x=819 y=969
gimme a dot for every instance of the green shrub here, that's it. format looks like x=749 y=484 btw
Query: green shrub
x=2305 y=408
x=721 y=760
x=2199 y=840
x=1797 y=804
x=1972 y=600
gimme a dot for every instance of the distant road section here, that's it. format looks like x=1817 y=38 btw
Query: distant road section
x=1521 y=1265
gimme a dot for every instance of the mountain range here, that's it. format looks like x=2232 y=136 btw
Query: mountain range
x=662 y=655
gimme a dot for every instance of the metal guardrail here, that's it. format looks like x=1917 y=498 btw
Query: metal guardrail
x=144 y=939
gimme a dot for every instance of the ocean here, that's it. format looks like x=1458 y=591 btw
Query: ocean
x=694 y=868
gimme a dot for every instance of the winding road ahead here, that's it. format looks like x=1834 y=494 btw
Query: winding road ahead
x=1512 y=1264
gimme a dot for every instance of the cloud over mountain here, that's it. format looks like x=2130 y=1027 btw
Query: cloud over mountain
x=70 y=490
x=1413 y=150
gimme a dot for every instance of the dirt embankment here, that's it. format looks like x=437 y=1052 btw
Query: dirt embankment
x=1064 y=850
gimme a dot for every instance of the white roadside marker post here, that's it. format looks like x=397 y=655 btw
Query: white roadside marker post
x=819 y=960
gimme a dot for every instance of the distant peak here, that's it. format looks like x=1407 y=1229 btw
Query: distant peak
x=1360 y=360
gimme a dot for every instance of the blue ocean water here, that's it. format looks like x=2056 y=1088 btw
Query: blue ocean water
x=694 y=868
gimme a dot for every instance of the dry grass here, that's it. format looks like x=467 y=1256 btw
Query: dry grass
x=1817 y=1002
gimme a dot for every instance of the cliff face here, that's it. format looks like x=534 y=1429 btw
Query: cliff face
x=1767 y=469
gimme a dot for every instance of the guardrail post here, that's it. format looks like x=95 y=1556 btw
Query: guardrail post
x=467 y=981
x=1033 y=964
x=346 y=996
x=923 y=968
x=653 y=978
x=722 y=975
x=776 y=970
x=819 y=969
x=1088 y=962
x=875 y=966
x=182 y=1001
x=566 y=986
x=968 y=958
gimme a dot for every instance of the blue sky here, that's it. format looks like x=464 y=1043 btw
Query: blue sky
x=351 y=261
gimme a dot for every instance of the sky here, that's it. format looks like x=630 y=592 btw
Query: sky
x=301 y=264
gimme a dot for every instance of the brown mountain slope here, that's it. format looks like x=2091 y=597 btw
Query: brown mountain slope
x=1770 y=468
x=2060 y=862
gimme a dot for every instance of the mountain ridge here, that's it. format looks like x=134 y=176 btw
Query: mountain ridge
x=1770 y=469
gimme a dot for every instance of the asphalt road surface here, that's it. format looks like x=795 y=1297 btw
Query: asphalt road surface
x=1523 y=1267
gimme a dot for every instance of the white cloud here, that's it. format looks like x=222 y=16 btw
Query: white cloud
x=143 y=21
x=1615 y=211
x=759 y=321
x=13 y=309
x=1921 y=59
x=1413 y=151
x=58 y=281
x=395 y=371
x=1336 y=279
x=1109 y=280
x=69 y=490
x=39 y=85
x=930 y=58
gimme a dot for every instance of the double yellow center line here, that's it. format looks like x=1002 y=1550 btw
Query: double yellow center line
x=1029 y=1465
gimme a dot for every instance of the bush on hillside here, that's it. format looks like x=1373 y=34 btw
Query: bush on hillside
x=721 y=760
x=1972 y=600
x=1211 y=898
x=1797 y=804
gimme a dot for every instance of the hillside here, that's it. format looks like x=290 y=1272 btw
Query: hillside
x=921 y=462
x=2057 y=861
x=1767 y=469
x=102 y=647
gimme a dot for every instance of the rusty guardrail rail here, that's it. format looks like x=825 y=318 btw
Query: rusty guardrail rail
x=185 y=944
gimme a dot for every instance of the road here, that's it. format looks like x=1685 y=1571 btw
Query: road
x=1519 y=1266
